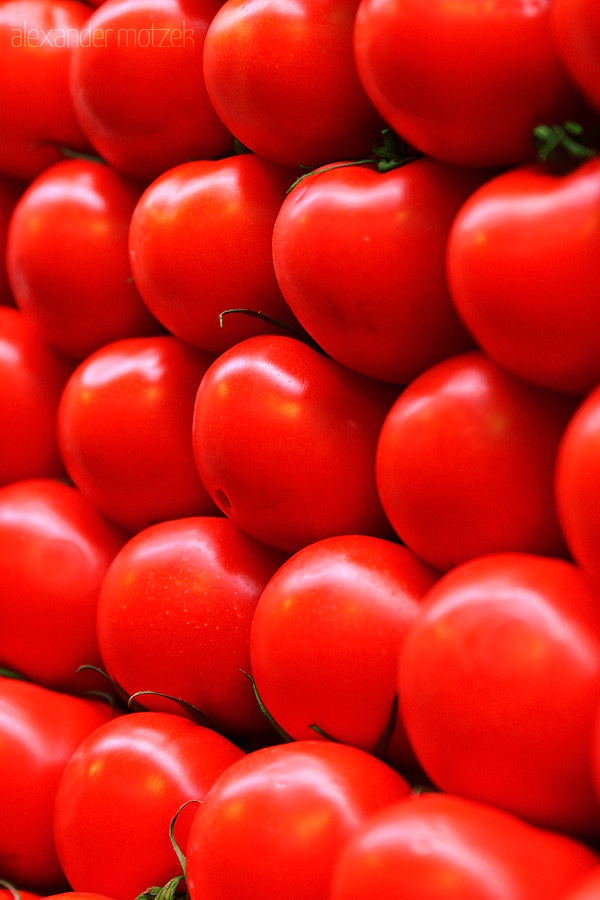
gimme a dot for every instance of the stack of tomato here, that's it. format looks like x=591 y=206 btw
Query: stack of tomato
x=300 y=449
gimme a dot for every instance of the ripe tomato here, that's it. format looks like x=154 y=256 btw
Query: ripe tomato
x=523 y=246
x=68 y=260
x=465 y=462
x=37 y=39
x=441 y=847
x=174 y=616
x=282 y=78
x=227 y=208
x=326 y=636
x=499 y=687
x=138 y=87
x=577 y=36
x=39 y=732
x=119 y=793
x=359 y=257
x=32 y=376
x=55 y=548
x=124 y=425
x=464 y=82
x=285 y=439
x=273 y=824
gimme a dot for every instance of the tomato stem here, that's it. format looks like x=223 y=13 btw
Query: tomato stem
x=280 y=731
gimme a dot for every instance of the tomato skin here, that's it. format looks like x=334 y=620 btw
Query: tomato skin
x=520 y=249
x=119 y=792
x=272 y=825
x=465 y=463
x=174 y=616
x=282 y=78
x=576 y=28
x=326 y=636
x=33 y=377
x=228 y=208
x=359 y=257
x=442 y=847
x=55 y=550
x=465 y=83
x=139 y=91
x=40 y=730
x=500 y=645
x=284 y=440
x=124 y=423
x=10 y=191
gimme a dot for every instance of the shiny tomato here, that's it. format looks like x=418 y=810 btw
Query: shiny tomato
x=174 y=616
x=326 y=636
x=282 y=78
x=464 y=82
x=524 y=273
x=32 y=376
x=39 y=731
x=577 y=34
x=68 y=261
x=37 y=40
x=499 y=687
x=228 y=209
x=285 y=439
x=124 y=426
x=273 y=824
x=359 y=257
x=119 y=793
x=442 y=847
x=465 y=462
x=138 y=87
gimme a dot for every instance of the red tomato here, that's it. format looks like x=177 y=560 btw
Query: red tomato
x=285 y=443
x=124 y=425
x=499 y=687
x=359 y=257
x=464 y=82
x=524 y=273
x=274 y=823
x=174 y=616
x=37 y=40
x=32 y=376
x=465 y=463
x=326 y=636
x=577 y=482
x=440 y=847
x=138 y=87
x=39 y=732
x=119 y=793
x=586 y=889
x=227 y=208
x=577 y=36
x=55 y=548
x=68 y=260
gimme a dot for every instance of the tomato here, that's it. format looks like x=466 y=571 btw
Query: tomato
x=228 y=208
x=577 y=474
x=359 y=257
x=587 y=889
x=68 y=259
x=499 y=687
x=39 y=731
x=523 y=246
x=55 y=550
x=124 y=425
x=464 y=82
x=285 y=439
x=119 y=792
x=10 y=191
x=37 y=40
x=326 y=636
x=174 y=616
x=273 y=824
x=33 y=377
x=441 y=847
x=282 y=78
x=465 y=463
x=138 y=87
x=577 y=36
